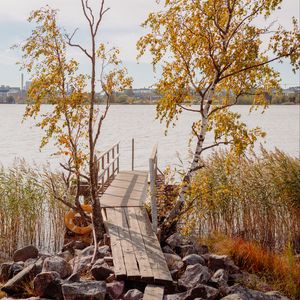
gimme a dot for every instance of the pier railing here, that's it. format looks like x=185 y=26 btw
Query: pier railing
x=109 y=165
x=153 y=175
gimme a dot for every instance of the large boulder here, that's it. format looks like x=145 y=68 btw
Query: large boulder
x=19 y=284
x=249 y=294
x=133 y=294
x=25 y=253
x=175 y=240
x=101 y=270
x=48 y=284
x=81 y=264
x=216 y=262
x=220 y=277
x=200 y=291
x=174 y=261
x=115 y=289
x=194 y=275
x=57 y=264
x=88 y=290
x=193 y=259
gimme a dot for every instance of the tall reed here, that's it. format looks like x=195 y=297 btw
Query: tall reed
x=255 y=198
x=28 y=212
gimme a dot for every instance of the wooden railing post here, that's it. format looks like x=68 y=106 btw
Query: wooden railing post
x=132 y=154
x=113 y=157
x=109 y=159
x=153 y=173
x=102 y=180
x=118 y=159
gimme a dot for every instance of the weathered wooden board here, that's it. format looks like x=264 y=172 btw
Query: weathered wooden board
x=138 y=245
x=116 y=248
x=155 y=255
x=153 y=292
x=127 y=189
x=128 y=252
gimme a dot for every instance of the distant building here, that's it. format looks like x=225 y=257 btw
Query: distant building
x=27 y=85
x=143 y=93
x=291 y=90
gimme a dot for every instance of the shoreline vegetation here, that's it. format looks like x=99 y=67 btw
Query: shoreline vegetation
x=254 y=221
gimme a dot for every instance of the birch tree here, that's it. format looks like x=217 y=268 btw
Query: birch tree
x=214 y=52
x=73 y=120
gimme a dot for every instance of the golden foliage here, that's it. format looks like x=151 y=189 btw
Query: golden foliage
x=212 y=50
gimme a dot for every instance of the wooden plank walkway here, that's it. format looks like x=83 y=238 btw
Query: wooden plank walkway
x=136 y=251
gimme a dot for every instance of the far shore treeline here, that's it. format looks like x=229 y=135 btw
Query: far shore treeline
x=152 y=97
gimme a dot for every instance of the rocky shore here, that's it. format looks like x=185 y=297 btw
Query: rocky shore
x=69 y=275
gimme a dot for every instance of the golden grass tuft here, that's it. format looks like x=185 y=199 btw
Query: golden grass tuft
x=282 y=271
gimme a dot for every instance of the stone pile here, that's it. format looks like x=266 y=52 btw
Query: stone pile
x=70 y=275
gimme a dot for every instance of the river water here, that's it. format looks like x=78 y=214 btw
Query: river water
x=124 y=122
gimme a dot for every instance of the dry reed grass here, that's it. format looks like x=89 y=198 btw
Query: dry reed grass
x=282 y=271
x=28 y=212
x=255 y=198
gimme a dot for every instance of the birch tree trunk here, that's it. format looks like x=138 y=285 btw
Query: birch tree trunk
x=195 y=164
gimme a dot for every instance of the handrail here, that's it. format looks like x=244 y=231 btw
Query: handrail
x=108 y=160
x=108 y=165
x=153 y=175
x=108 y=150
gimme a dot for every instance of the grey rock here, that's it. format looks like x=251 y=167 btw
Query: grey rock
x=25 y=253
x=57 y=264
x=81 y=264
x=66 y=255
x=103 y=251
x=48 y=285
x=133 y=294
x=249 y=294
x=185 y=250
x=88 y=251
x=175 y=240
x=193 y=259
x=115 y=289
x=101 y=271
x=221 y=277
x=216 y=262
x=200 y=291
x=168 y=249
x=194 y=275
x=19 y=283
x=88 y=290
x=174 y=261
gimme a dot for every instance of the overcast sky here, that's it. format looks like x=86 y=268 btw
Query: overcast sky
x=121 y=27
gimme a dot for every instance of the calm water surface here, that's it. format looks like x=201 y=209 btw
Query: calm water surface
x=21 y=140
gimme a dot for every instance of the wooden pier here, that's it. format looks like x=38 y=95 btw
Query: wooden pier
x=136 y=251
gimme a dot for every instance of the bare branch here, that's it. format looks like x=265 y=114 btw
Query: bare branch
x=69 y=42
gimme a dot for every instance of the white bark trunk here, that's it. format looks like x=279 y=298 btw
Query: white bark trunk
x=196 y=159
